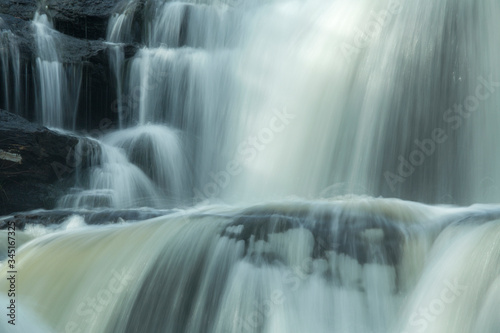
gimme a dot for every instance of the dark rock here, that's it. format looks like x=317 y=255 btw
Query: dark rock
x=56 y=217
x=34 y=162
x=83 y=18
x=350 y=238
x=22 y=9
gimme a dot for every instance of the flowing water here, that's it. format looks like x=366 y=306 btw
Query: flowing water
x=247 y=118
x=348 y=265
x=281 y=98
x=9 y=57
x=58 y=85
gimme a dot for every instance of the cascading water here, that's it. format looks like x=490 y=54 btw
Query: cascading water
x=340 y=75
x=158 y=152
x=50 y=74
x=352 y=265
x=288 y=102
x=119 y=31
x=58 y=85
x=11 y=65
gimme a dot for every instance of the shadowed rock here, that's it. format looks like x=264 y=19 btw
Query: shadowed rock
x=56 y=217
x=35 y=162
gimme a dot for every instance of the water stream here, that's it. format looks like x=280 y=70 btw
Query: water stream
x=273 y=129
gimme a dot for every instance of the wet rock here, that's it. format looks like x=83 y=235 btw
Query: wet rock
x=82 y=19
x=57 y=217
x=35 y=162
x=21 y=9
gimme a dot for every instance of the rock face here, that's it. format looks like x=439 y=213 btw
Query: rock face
x=82 y=19
x=56 y=217
x=91 y=56
x=35 y=163
x=22 y=9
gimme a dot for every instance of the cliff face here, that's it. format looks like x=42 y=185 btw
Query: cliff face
x=35 y=163
x=82 y=19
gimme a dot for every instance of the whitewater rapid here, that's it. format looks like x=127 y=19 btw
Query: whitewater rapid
x=347 y=265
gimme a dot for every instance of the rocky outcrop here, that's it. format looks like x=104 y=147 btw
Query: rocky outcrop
x=35 y=163
x=21 y=9
x=56 y=217
x=82 y=19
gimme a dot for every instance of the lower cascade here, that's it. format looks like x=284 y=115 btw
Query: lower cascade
x=353 y=264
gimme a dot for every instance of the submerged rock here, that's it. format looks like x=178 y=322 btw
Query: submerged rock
x=59 y=216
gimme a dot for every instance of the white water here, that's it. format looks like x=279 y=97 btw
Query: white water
x=58 y=85
x=113 y=182
x=158 y=152
x=356 y=84
x=352 y=265
x=291 y=98
x=11 y=65
x=119 y=31
x=246 y=101
x=136 y=167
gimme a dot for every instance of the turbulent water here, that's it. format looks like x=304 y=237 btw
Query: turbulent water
x=57 y=85
x=282 y=98
x=273 y=99
x=350 y=265
x=244 y=116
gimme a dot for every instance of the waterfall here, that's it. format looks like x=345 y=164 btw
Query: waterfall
x=260 y=84
x=287 y=98
x=119 y=31
x=11 y=69
x=141 y=166
x=112 y=182
x=50 y=74
x=58 y=85
x=351 y=265
x=327 y=166
x=158 y=152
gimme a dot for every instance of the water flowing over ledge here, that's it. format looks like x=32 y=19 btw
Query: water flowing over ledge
x=349 y=265
x=274 y=99
x=197 y=144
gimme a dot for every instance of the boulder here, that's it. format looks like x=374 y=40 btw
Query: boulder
x=36 y=163
x=83 y=18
